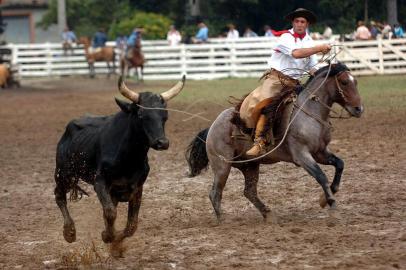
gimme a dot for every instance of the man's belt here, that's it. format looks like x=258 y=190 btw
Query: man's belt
x=283 y=77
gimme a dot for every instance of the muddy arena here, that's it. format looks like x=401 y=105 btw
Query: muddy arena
x=177 y=227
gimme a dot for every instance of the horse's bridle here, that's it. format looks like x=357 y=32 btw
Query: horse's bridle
x=340 y=90
x=316 y=98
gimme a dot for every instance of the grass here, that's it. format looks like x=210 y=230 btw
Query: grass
x=376 y=91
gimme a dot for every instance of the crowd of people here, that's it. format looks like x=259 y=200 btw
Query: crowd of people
x=373 y=30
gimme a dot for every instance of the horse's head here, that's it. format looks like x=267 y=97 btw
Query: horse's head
x=341 y=87
x=347 y=92
x=84 y=40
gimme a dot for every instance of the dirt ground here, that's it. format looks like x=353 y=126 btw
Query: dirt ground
x=177 y=228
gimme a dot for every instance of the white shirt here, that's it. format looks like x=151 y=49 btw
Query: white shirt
x=174 y=38
x=283 y=60
x=233 y=34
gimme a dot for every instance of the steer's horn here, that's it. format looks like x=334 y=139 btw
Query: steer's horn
x=167 y=95
x=125 y=91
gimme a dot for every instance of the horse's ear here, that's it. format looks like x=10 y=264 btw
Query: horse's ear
x=124 y=106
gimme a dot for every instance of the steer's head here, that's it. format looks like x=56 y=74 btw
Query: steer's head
x=148 y=112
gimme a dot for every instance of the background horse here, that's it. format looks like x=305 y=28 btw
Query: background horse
x=305 y=143
x=106 y=54
x=134 y=59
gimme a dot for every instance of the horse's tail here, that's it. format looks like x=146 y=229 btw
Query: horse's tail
x=196 y=154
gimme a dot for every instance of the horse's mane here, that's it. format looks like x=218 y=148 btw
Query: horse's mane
x=322 y=72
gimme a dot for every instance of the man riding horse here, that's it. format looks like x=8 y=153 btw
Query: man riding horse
x=293 y=56
x=133 y=57
x=134 y=42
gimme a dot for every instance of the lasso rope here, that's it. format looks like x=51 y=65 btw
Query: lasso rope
x=312 y=94
x=289 y=124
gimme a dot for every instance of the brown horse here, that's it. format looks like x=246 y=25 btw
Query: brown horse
x=133 y=59
x=106 y=54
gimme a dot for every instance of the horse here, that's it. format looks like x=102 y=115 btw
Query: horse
x=134 y=59
x=304 y=141
x=106 y=54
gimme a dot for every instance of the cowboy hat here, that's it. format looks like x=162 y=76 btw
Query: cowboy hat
x=301 y=12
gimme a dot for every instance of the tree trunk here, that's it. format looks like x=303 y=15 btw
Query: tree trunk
x=61 y=15
x=194 y=8
x=366 y=12
x=392 y=12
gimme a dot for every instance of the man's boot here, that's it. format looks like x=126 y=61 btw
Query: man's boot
x=260 y=138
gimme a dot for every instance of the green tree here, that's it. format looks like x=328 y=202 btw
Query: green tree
x=86 y=16
x=155 y=25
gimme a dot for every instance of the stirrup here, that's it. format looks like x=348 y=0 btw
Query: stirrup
x=257 y=149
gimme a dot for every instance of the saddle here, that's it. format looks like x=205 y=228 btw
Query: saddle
x=279 y=114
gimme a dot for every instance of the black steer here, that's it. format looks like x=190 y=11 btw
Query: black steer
x=110 y=152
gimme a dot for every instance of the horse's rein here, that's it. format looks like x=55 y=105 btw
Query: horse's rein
x=330 y=108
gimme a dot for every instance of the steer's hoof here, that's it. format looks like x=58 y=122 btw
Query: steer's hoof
x=107 y=237
x=117 y=249
x=69 y=233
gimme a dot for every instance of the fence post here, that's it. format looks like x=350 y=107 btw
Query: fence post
x=14 y=54
x=49 y=58
x=380 y=53
x=233 y=58
x=211 y=58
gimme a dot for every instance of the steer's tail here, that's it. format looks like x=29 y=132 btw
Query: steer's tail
x=196 y=154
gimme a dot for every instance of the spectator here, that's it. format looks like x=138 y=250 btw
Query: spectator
x=328 y=32
x=68 y=38
x=386 y=31
x=398 y=31
x=202 y=35
x=268 y=31
x=374 y=29
x=173 y=36
x=99 y=39
x=362 y=32
x=249 y=33
x=232 y=32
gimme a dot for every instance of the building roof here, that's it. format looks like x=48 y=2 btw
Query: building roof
x=23 y=3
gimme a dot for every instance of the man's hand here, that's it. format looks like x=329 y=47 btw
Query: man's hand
x=324 y=48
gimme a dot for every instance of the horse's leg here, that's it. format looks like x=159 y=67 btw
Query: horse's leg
x=327 y=158
x=109 y=209
x=251 y=175
x=306 y=161
x=91 y=70
x=125 y=70
x=142 y=73
x=108 y=69
x=137 y=77
x=69 y=231
x=221 y=171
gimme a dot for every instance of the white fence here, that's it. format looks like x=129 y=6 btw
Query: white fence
x=245 y=57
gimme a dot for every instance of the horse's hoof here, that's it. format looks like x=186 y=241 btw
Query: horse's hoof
x=333 y=205
x=69 y=233
x=271 y=218
x=322 y=200
x=107 y=237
